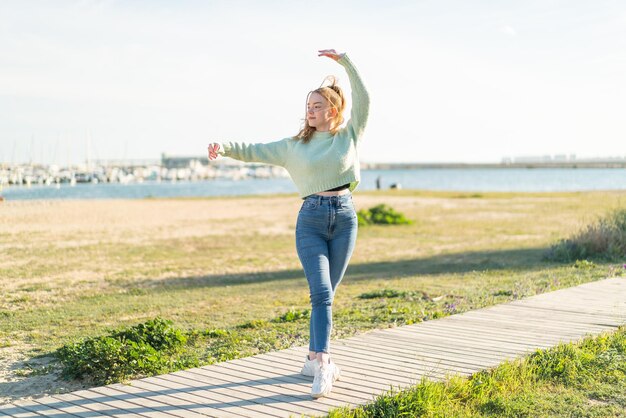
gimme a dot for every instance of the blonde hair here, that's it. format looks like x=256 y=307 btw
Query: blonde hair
x=334 y=95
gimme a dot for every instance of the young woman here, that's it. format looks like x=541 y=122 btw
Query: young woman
x=323 y=163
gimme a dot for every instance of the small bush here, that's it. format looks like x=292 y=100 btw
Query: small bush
x=144 y=349
x=604 y=239
x=381 y=214
x=157 y=333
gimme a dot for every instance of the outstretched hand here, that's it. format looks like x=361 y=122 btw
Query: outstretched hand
x=330 y=53
x=213 y=149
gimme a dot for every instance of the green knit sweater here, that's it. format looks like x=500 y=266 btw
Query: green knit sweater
x=328 y=160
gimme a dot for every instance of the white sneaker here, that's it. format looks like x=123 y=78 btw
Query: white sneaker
x=324 y=379
x=310 y=367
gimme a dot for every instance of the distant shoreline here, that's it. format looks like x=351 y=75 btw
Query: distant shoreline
x=413 y=166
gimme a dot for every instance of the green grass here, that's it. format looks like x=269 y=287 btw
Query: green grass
x=149 y=348
x=587 y=378
x=364 y=311
x=381 y=214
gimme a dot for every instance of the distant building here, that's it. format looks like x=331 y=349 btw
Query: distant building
x=170 y=162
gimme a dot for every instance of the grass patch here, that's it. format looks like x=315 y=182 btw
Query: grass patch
x=392 y=293
x=384 y=293
x=576 y=379
x=145 y=349
x=603 y=239
x=293 y=315
x=381 y=214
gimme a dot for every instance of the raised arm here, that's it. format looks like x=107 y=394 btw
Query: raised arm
x=360 y=97
x=273 y=153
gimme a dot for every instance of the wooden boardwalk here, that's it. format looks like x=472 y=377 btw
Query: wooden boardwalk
x=270 y=385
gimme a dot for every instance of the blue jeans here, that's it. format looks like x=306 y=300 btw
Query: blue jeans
x=326 y=232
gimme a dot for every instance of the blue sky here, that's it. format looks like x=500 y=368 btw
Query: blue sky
x=470 y=81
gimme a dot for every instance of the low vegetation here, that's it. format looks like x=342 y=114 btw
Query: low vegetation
x=145 y=349
x=381 y=214
x=603 y=239
x=577 y=379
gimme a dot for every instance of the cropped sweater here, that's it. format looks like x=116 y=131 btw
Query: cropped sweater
x=326 y=161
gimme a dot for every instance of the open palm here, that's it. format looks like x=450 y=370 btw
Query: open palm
x=330 y=53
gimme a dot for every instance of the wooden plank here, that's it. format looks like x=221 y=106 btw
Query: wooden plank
x=294 y=389
x=274 y=389
x=40 y=410
x=429 y=348
x=395 y=362
x=354 y=375
x=583 y=298
x=470 y=358
x=144 y=399
x=369 y=375
x=270 y=374
x=463 y=328
x=347 y=382
x=530 y=323
x=233 y=401
x=551 y=326
x=588 y=307
x=412 y=334
x=49 y=406
x=12 y=410
x=508 y=322
x=570 y=306
x=476 y=341
x=161 y=395
x=74 y=401
x=414 y=356
x=105 y=406
x=348 y=379
x=287 y=400
x=181 y=392
x=146 y=409
x=335 y=399
x=241 y=378
x=556 y=312
x=529 y=312
x=464 y=335
x=417 y=335
x=237 y=404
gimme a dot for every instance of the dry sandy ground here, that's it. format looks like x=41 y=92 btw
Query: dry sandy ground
x=14 y=386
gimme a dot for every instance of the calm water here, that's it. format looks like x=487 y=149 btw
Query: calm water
x=467 y=180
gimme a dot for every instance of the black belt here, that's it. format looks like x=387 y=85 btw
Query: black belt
x=336 y=189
